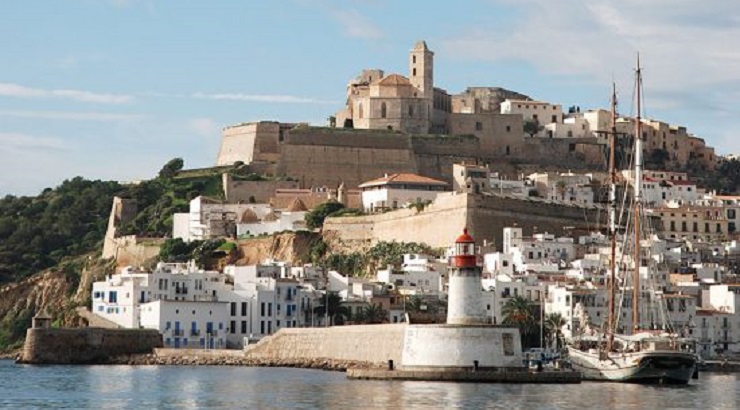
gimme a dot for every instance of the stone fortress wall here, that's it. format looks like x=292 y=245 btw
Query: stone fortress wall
x=485 y=216
x=85 y=345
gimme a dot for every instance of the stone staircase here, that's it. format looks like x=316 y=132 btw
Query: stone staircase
x=94 y=320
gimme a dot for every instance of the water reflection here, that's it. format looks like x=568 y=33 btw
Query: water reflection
x=243 y=387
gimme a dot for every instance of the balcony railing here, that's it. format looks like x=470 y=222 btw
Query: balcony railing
x=177 y=332
x=194 y=332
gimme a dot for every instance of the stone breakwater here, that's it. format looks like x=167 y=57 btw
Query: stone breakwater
x=231 y=360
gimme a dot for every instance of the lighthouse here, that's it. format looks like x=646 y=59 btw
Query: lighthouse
x=464 y=300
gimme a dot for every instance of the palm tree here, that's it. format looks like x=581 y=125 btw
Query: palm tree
x=519 y=312
x=374 y=314
x=554 y=323
x=336 y=311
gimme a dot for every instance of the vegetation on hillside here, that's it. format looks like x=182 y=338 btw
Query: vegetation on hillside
x=36 y=233
x=380 y=256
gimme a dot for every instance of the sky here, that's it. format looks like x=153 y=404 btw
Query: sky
x=113 y=89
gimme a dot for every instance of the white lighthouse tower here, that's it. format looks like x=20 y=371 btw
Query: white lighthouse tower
x=464 y=300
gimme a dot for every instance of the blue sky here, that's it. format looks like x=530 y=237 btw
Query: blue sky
x=113 y=89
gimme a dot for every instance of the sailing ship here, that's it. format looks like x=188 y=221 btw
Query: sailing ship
x=643 y=356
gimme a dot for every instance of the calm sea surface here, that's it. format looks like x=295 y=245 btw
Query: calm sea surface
x=163 y=387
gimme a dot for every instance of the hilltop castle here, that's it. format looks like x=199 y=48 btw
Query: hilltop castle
x=397 y=124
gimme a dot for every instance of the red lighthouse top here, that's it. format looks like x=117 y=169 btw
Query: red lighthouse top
x=464 y=255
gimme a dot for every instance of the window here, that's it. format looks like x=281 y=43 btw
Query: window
x=413 y=59
x=233 y=308
x=383 y=110
x=113 y=297
x=232 y=327
x=414 y=71
x=244 y=308
x=508 y=128
x=478 y=126
x=411 y=110
x=244 y=327
x=262 y=310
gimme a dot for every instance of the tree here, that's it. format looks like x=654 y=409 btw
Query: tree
x=519 y=312
x=554 y=323
x=315 y=218
x=332 y=303
x=171 y=168
x=374 y=314
x=532 y=127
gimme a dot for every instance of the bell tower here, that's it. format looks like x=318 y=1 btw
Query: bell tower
x=421 y=69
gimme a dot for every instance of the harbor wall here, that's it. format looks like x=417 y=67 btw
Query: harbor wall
x=375 y=344
x=85 y=345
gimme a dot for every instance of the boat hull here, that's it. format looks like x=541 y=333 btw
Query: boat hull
x=658 y=367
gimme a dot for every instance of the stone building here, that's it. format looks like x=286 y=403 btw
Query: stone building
x=394 y=102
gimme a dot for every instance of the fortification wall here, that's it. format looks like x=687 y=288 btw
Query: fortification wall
x=122 y=211
x=432 y=226
x=131 y=250
x=259 y=191
x=323 y=158
x=366 y=343
x=440 y=222
x=85 y=345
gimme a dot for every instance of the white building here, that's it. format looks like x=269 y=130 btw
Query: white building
x=568 y=188
x=419 y=274
x=542 y=112
x=399 y=190
x=291 y=219
x=195 y=309
x=187 y=324
x=470 y=178
x=539 y=249
x=210 y=218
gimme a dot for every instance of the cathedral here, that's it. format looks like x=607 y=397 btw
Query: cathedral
x=393 y=102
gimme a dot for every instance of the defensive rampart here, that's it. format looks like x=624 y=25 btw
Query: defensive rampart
x=374 y=344
x=442 y=221
x=85 y=345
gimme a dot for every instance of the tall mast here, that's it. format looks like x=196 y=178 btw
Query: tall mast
x=611 y=322
x=638 y=203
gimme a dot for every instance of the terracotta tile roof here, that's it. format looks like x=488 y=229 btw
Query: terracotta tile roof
x=409 y=179
x=394 y=79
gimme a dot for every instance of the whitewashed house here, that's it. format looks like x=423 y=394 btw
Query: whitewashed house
x=399 y=190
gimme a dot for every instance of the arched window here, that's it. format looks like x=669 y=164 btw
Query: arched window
x=383 y=110
x=360 y=111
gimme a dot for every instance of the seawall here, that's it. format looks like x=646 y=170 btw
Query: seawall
x=85 y=345
x=369 y=344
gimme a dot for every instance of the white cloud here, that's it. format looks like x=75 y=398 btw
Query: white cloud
x=690 y=62
x=204 y=127
x=19 y=141
x=70 y=115
x=20 y=91
x=280 y=99
x=356 y=25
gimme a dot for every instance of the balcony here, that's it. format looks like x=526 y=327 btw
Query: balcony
x=194 y=332
x=178 y=332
